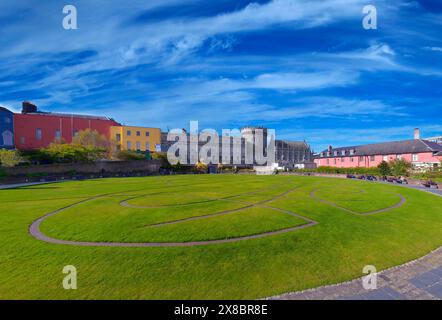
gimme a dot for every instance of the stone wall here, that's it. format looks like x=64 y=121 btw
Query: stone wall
x=101 y=167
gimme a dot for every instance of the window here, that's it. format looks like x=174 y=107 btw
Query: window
x=399 y=156
x=343 y=152
x=335 y=160
x=342 y=159
x=8 y=120
x=38 y=134
x=129 y=133
x=147 y=146
x=415 y=157
x=118 y=137
x=138 y=133
x=22 y=140
x=361 y=158
x=129 y=145
x=57 y=134
x=385 y=158
x=352 y=152
x=138 y=146
x=147 y=133
x=75 y=133
x=336 y=153
x=372 y=158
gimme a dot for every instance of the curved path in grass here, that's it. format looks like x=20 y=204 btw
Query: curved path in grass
x=35 y=231
x=330 y=203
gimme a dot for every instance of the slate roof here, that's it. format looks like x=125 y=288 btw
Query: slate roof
x=386 y=148
x=67 y=115
x=4 y=109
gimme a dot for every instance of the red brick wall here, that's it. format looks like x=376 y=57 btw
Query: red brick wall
x=25 y=126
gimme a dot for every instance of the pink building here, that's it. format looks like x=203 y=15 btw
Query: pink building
x=421 y=153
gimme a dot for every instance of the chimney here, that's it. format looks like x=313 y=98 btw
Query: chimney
x=330 y=148
x=417 y=134
x=28 y=107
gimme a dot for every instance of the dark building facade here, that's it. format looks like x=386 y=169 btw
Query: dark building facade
x=291 y=154
x=6 y=129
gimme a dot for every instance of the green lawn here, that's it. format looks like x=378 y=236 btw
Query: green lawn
x=333 y=250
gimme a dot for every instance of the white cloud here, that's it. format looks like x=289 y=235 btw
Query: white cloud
x=434 y=48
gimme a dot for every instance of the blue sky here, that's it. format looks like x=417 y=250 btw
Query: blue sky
x=305 y=68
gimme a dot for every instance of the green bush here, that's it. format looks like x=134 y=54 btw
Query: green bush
x=9 y=158
x=69 y=153
x=127 y=155
x=355 y=170
x=3 y=173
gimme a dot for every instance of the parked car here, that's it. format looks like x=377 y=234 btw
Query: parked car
x=362 y=177
x=430 y=184
x=350 y=176
x=402 y=180
x=391 y=179
x=372 y=178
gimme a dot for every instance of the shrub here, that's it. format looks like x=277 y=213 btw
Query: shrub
x=9 y=158
x=384 y=169
x=201 y=167
x=68 y=153
x=127 y=155
x=335 y=170
x=400 y=167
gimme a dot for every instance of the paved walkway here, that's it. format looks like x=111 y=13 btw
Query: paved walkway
x=27 y=184
x=420 y=279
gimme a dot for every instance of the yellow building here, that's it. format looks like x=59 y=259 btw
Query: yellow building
x=136 y=138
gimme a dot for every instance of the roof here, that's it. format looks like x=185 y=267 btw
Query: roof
x=394 y=147
x=4 y=109
x=293 y=143
x=68 y=115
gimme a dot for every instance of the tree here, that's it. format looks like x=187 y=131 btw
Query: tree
x=400 y=167
x=91 y=138
x=384 y=169
x=9 y=158
x=201 y=167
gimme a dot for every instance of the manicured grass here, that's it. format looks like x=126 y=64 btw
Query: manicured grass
x=335 y=249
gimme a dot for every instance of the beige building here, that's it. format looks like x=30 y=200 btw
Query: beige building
x=136 y=138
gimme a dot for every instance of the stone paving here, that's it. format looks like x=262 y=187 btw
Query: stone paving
x=420 y=279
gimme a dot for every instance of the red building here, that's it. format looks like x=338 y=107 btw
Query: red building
x=34 y=129
x=420 y=153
